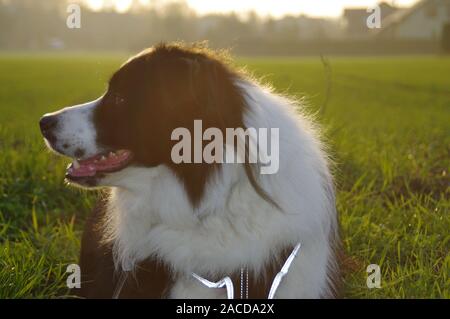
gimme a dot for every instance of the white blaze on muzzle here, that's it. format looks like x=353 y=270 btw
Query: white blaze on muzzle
x=75 y=133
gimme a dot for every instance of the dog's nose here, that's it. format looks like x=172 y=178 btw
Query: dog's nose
x=47 y=123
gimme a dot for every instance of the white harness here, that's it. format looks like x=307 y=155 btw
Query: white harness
x=228 y=283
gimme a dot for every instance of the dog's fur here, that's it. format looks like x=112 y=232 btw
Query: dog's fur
x=162 y=221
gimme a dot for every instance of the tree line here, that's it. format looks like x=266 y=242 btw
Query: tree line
x=41 y=25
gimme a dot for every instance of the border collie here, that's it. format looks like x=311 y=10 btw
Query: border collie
x=163 y=226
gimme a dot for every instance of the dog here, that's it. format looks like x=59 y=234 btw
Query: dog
x=165 y=228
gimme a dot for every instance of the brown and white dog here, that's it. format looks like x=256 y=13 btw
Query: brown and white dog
x=163 y=221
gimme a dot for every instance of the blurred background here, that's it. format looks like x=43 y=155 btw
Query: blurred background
x=251 y=27
x=380 y=95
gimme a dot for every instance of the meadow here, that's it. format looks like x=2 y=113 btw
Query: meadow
x=387 y=124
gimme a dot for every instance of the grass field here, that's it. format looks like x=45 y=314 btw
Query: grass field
x=387 y=123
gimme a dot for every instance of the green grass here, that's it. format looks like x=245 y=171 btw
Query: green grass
x=387 y=123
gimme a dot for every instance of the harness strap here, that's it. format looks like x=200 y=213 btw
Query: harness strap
x=244 y=280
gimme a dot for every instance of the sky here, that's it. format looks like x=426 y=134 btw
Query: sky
x=275 y=8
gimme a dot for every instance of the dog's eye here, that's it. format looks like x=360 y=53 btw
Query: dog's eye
x=116 y=99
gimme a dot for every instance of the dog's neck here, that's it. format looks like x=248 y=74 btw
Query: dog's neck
x=155 y=219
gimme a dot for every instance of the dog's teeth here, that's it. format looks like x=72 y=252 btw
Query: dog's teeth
x=112 y=154
x=103 y=158
x=76 y=165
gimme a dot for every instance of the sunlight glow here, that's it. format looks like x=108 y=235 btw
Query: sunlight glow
x=122 y=5
x=95 y=5
x=274 y=8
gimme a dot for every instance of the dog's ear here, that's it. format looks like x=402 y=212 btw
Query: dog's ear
x=209 y=83
x=193 y=78
x=213 y=92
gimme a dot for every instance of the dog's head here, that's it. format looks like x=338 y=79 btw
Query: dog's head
x=153 y=93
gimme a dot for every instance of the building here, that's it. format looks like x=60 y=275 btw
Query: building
x=426 y=20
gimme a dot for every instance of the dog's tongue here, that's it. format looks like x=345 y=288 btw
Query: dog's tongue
x=99 y=163
x=81 y=170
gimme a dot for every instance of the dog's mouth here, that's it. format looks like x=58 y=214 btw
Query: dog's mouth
x=99 y=165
